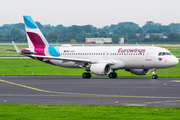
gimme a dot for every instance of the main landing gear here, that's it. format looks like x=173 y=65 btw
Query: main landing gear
x=86 y=75
x=113 y=74
x=154 y=76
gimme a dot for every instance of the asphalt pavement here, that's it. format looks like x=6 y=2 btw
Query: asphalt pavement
x=132 y=91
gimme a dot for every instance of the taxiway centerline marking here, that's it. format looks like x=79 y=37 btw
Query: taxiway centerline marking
x=84 y=94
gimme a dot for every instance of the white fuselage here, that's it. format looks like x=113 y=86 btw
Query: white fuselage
x=121 y=57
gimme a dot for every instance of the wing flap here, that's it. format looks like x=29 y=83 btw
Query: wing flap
x=63 y=58
x=72 y=59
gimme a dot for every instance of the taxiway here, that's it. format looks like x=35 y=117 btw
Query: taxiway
x=136 y=91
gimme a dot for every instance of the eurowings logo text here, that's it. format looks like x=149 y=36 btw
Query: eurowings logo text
x=131 y=50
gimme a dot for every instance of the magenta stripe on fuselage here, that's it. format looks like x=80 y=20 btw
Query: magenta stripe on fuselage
x=38 y=43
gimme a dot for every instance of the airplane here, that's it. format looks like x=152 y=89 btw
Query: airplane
x=96 y=59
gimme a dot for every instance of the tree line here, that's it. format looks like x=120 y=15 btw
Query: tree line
x=127 y=30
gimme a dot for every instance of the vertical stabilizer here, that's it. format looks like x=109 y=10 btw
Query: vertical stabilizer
x=36 y=40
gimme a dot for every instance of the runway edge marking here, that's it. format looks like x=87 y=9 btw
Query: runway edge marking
x=84 y=94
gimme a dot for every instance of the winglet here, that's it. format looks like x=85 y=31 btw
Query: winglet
x=17 y=49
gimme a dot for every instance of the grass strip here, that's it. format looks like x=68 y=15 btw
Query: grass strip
x=30 y=67
x=84 y=112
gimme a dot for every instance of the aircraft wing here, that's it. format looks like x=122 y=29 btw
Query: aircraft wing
x=69 y=59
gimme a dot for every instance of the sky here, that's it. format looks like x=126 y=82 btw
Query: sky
x=98 y=13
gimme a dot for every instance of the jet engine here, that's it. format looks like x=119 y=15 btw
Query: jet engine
x=100 y=69
x=139 y=71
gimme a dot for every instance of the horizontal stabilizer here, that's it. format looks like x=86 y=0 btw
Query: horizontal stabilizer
x=17 y=49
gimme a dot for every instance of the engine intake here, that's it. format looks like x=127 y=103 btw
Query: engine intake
x=139 y=71
x=100 y=69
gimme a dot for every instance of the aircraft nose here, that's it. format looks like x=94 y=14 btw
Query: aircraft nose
x=174 y=61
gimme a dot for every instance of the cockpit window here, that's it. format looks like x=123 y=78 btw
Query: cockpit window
x=164 y=53
x=160 y=54
x=168 y=53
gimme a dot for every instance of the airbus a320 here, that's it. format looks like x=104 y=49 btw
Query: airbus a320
x=96 y=60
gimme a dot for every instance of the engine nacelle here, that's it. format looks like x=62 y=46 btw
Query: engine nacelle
x=139 y=71
x=100 y=69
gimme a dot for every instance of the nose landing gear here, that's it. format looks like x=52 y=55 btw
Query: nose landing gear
x=154 y=76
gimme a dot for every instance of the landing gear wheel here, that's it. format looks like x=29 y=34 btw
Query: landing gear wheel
x=86 y=75
x=89 y=75
x=154 y=77
x=112 y=75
